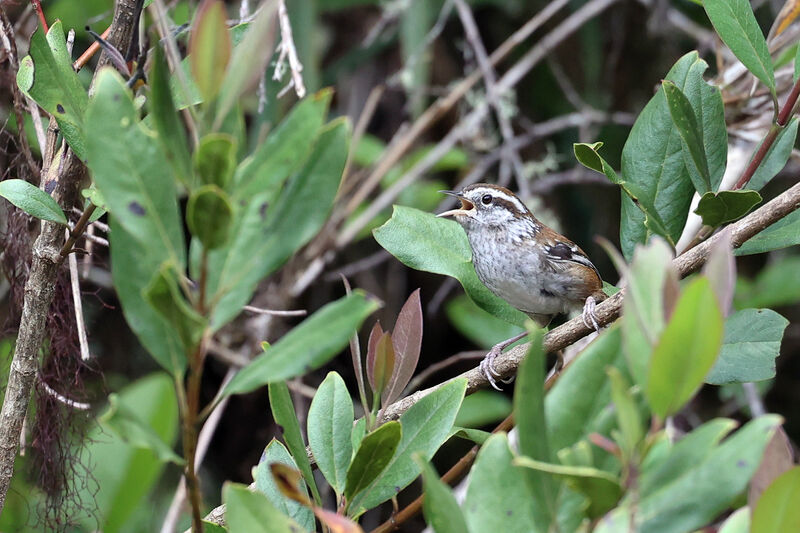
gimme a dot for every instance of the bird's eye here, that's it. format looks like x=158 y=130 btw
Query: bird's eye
x=486 y=199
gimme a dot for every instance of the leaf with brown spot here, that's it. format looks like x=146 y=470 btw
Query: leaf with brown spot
x=288 y=481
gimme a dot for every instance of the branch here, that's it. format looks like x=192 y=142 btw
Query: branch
x=40 y=286
x=608 y=311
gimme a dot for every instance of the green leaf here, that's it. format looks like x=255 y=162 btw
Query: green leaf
x=529 y=415
x=738 y=522
x=275 y=452
x=777 y=509
x=307 y=346
x=284 y=149
x=687 y=349
x=653 y=166
x=752 y=342
x=477 y=325
x=209 y=48
x=248 y=61
x=683 y=117
x=424 y=242
x=782 y=234
x=383 y=365
x=373 y=456
x=330 y=423
x=47 y=76
x=602 y=489
x=662 y=470
x=726 y=206
x=628 y=418
x=167 y=123
x=267 y=234
x=132 y=173
x=441 y=509
x=165 y=296
x=737 y=27
x=482 y=408
x=125 y=474
x=498 y=498
x=426 y=425
x=32 y=200
x=776 y=157
x=209 y=215
x=710 y=485
x=280 y=402
x=124 y=421
x=581 y=395
x=776 y=285
x=247 y=511
x=132 y=271
x=643 y=321
x=215 y=159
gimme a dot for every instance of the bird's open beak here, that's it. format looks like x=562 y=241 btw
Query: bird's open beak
x=466 y=208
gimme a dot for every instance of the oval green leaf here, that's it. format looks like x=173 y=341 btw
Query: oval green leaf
x=32 y=200
x=330 y=423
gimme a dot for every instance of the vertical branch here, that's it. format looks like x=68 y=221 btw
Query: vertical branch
x=40 y=286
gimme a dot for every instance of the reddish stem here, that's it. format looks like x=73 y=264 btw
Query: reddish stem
x=38 y=7
x=780 y=123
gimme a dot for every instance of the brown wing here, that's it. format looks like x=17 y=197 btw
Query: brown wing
x=559 y=249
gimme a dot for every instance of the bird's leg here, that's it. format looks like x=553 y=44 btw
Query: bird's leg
x=588 y=314
x=487 y=364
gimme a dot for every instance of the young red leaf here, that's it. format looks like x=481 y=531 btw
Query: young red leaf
x=384 y=363
x=372 y=344
x=406 y=341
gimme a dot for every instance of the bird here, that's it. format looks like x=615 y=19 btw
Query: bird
x=529 y=265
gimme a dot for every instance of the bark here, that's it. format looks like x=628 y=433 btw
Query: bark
x=40 y=286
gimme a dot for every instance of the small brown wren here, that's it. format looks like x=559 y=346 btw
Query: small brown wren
x=527 y=264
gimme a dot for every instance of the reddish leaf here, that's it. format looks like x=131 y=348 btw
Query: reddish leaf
x=777 y=460
x=288 y=481
x=336 y=522
x=406 y=340
x=210 y=48
x=372 y=345
x=384 y=363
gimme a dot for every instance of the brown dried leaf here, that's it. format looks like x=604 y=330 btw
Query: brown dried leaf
x=406 y=341
x=778 y=458
x=337 y=523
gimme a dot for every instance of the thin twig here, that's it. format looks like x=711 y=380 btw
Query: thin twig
x=275 y=312
x=493 y=96
x=423 y=376
x=565 y=29
x=403 y=141
x=75 y=287
x=203 y=442
x=81 y=406
x=288 y=51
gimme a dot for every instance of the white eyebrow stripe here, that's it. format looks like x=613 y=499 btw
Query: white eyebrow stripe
x=500 y=194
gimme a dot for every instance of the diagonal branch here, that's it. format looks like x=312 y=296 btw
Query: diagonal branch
x=570 y=332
